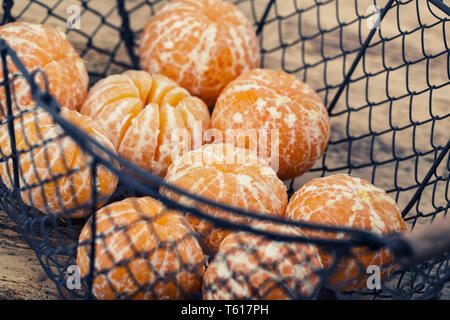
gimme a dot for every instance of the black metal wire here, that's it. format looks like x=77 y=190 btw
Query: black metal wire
x=127 y=34
x=93 y=227
x=441 y=5
x=427 y=178
x=54 y=237
x=7 y=6
x=357 y=59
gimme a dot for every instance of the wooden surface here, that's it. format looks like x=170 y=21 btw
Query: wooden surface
x=21 y=276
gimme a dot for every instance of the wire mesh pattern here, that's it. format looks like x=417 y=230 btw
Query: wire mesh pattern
x=383 y=71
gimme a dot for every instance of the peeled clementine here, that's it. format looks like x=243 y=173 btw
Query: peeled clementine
x=289 y=121
x=42 y=47
x=228 y=175
x=341 y=200
x=149 y=118
x=54 y=173
x=142 y=251
x=201 y=44
x=250 y=266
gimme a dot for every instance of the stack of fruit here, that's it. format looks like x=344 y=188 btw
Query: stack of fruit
x=266 y=126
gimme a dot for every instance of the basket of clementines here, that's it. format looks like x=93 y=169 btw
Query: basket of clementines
x=177 y=177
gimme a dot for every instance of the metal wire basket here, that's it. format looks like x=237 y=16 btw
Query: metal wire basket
x=383 y=71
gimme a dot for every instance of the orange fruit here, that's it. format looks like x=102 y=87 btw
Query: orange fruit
x=290 y=121
x=149 y=118
x=55 y=174
x=143 y=251
x=228 y=175
x=344 y=201
x=250 y=266
x=42 y=47
x=201 y=44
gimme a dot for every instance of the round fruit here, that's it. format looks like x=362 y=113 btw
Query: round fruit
x=149 y=118
x=42 y=47
x=142 y=251
x=290 y=120
x=54 y=173
x=250 y=266
x=201 y=44
x=344 y=201
x=228 y=175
